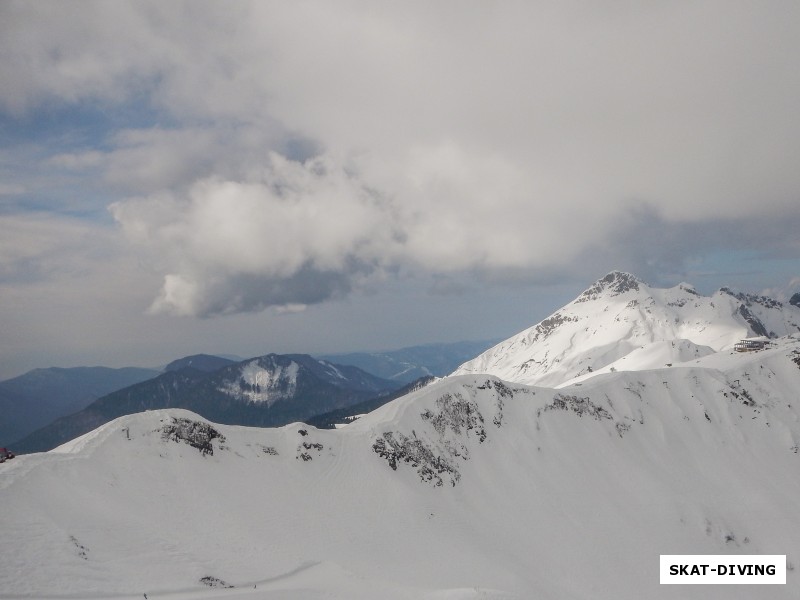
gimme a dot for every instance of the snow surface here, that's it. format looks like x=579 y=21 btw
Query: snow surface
x=498 y=490
x=622 y=324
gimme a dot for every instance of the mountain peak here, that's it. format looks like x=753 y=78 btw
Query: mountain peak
x=613 y=284
x=621 y=323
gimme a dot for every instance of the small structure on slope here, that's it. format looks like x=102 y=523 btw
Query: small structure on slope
x=751 y=345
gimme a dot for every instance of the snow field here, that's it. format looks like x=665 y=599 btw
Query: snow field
x=573 y=493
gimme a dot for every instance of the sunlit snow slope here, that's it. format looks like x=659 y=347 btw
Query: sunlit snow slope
x=621 y=323
x=468 y=488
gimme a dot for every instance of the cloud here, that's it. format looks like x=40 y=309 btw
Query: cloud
x=299 y=233
x=310 y=149
x=35 y=247
x=305 y=232
x=77 y=160
x=11 y=189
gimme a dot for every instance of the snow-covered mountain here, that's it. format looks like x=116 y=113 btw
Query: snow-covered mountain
x=269 y=390
x=468 y=488
x=620 y=323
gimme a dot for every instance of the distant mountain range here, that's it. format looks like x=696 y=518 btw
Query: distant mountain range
x=207 y=363
x=266 y=391
x=35 y=399
x=409 y=364
x=343 y=416
x=38 y=397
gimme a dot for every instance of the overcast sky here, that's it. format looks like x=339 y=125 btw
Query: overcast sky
x=250 y=177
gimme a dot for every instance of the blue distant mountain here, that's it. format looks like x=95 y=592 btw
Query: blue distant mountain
x=202 y=362
x=38 y=397
x=412 y=363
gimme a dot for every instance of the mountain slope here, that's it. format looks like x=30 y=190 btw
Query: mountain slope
x=264 y=391
x=36 y=398
x=620 y=323
x=409 y=364
x=341 y=416
x=467 y=488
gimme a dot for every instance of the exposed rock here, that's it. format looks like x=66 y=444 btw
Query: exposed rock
x=615 y=283
x=214 y=582
x=195 y=433
x=396 y=447
x=456 y=414
x=549 y=325
x=580 y=406
x=755 y=324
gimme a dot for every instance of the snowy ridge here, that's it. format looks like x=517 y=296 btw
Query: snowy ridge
x=621 y=323
x=471 y=487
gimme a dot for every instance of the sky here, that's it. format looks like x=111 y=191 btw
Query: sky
x=332 y=176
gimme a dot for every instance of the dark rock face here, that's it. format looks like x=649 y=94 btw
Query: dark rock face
x=396 y=448
x=747 y=302
x=305 y=449
x=195 y=433
x=615 y=283
x=453 y=420
x=755 y=324
x=456 y=414
x=795 y=300
x=452 y=425
x=549 y=325
x=750 y=299
x=579 y=406
x=214 y=582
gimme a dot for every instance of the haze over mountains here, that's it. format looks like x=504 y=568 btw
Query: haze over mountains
x=409 y=364
x=36 y=398
x=559 y=464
